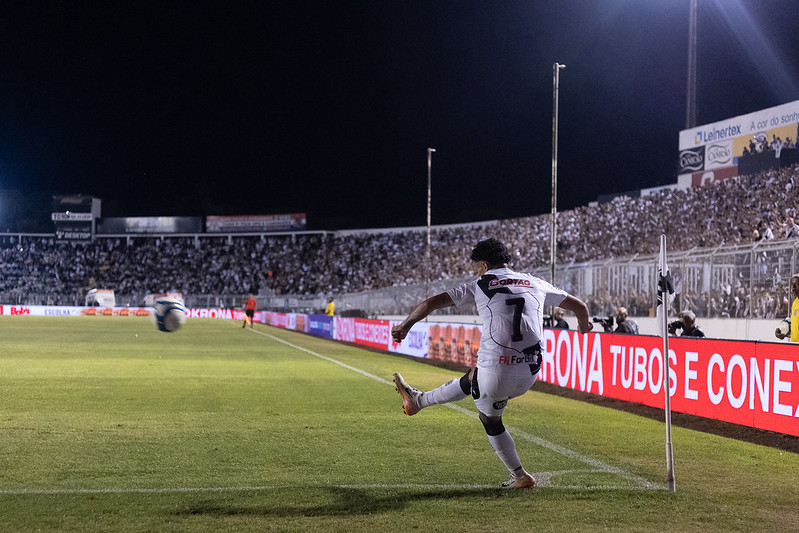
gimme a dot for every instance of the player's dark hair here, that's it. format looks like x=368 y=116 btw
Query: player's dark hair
x=492 y=252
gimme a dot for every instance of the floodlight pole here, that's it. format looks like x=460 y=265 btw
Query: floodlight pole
x=690 y=93
x=555 y=86
x=427 y=249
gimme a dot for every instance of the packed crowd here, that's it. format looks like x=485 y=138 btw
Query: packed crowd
x=733 y=211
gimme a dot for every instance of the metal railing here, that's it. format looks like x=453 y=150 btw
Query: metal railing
x=743 y=281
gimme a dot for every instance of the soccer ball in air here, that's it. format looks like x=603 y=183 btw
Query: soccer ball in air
x=169 y=314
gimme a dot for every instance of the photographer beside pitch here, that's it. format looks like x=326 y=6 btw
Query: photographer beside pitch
x=558 y=321
x=511 y=306
x=687 y=323
x=625 y=325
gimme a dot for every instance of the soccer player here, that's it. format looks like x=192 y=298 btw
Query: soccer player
x=249 y=310
x=330 y=308
x=511 y=305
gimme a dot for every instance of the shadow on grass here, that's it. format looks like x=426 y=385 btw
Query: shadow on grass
x=345 y=501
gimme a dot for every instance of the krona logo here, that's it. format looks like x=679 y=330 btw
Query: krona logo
x=20 y=310
x=501 y=282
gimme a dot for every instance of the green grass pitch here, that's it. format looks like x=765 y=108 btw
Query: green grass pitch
x=108 y=425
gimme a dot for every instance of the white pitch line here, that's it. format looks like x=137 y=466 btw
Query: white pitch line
x=543 y=479
x=595 y=463
x=348 y=367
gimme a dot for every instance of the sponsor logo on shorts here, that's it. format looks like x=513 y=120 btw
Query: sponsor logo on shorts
x=500 y=405
x=517 y=359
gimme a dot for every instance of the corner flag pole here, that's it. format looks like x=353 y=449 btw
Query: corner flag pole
x=664 y=288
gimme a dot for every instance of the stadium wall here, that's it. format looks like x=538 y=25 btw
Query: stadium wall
x=743 y=329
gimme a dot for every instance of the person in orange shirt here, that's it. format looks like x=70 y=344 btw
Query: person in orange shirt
x=249 y=310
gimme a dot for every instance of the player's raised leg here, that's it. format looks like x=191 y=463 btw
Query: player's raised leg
x=414 y=400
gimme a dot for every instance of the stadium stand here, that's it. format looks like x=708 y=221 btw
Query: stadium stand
x=41 y=270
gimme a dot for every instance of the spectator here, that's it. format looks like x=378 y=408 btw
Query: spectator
x=765 y=230
x=792 y=229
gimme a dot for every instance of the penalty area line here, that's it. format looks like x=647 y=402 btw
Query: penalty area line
x=598 y=465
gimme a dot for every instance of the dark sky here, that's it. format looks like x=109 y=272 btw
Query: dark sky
x=328 y=107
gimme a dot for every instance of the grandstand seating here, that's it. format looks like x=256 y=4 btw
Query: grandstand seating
x=720 y=213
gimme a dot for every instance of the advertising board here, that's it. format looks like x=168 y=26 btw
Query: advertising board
x=255 y=223
x=748 y=383
x=780 y=121
x=319 y=325
x=125 y=225
x=372 y=333
x=415 y=343
x=720 y=145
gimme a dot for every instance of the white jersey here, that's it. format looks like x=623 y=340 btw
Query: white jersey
x=511 y=305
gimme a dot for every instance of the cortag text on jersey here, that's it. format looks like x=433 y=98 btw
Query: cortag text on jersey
x=494 y=283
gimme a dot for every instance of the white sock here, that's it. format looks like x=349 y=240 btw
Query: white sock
x=448 y=392
x=505 y=449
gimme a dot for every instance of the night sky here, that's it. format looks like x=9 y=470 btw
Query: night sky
x=328 y=107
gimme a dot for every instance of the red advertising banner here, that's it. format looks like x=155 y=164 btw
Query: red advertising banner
x=747 y=383
x=344 y=329
x=709 y=176
x=374 y=333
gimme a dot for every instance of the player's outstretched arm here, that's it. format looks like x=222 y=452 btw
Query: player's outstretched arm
x=439 y=301
x=578 y=307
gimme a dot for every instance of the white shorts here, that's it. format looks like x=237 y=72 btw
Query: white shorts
x=495 y=386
